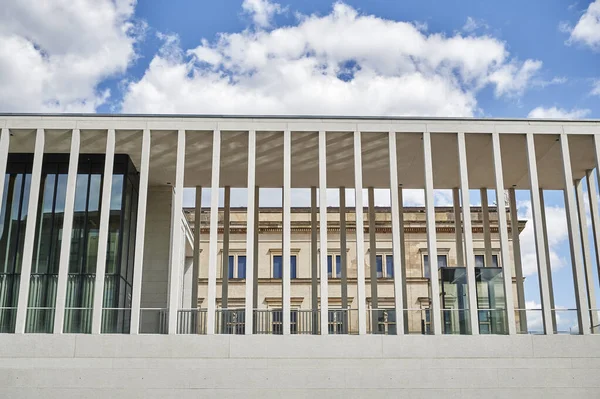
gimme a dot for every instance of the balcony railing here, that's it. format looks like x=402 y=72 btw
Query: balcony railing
x=305 y=321
x=456 y=321
x=381 y=321
x=417 y=321
x=230 y=321
x=153 y=321
x=566 y=321
x=191 y=321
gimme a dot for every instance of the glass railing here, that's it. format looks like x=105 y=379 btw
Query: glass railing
x=595 y=321
x=153 y=321
x=116 y=320
x=191 y=321
x=230 y=321
x=8 y=316
x=40 y=320
x=492 y=321
x=565 y=321
x=381 y=321
x=78 y=321
x=456 y=321
x=417 y=321
x=529 y=321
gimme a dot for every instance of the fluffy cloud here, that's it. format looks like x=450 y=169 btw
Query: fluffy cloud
x=54 y=54
x=587 y=29
x=340 y=63
x=261 y=11
x=556 y=224
x=558 y=113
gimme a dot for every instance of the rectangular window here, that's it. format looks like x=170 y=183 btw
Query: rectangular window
x=389 y=265
x=278 y=266
x=338 y=266
x=237 y=266
x=480 y=261
x=442 y=262
x=388 y=270
x=379 y=262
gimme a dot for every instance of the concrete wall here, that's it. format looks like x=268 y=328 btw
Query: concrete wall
x=100 y=366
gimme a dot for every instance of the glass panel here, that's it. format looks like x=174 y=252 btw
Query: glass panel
x=495 y=260
x=454 y=295
x=231 y=258
x=491 y=301
x=442 y=261
x=293 y=266
x=389 y=265
x=426 y=269
x=479 y=261
x=93 y=224
x=379 y=262
x=242 y=266
x=277 y=269
x=329 y=265
x=338 y=266
x=114 y=224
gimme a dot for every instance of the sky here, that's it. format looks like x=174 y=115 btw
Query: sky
x=538 y=59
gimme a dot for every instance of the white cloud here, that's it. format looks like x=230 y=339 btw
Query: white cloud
x=54 y=54
x=587 y=29
x=558 y=113
x=261 y=11
x=556 y=224
x=340 y=63
x=473 y=24
x=595 y=88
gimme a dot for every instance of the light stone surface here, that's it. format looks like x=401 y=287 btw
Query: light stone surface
x=155 y=366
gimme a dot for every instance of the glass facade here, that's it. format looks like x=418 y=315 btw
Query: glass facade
x=84 y=243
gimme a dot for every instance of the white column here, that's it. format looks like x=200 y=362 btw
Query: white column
x=250 y=231
x=196 y=260
x=487 y=234
x=587 y=253
x=65 y=244
x=211 y=297
x=574 y=240
x=460 y=257
x=503 y=232
x=466 y=214
x=595 y=215
x=323 y=231
x=140 y=232
x=360 y=235
x=34 y=192
x=396 y=226
x=4 y=146
x=287 y=231
x=539 y=234
x=431 y=236
x=103 y=233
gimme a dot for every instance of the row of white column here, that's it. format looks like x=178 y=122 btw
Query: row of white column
x=582 y=299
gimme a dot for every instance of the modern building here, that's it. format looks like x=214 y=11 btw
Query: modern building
x=108 y=286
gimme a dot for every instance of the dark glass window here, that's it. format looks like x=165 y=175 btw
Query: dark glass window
x=278 y=267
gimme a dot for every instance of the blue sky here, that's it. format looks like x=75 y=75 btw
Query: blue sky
x=377 y=57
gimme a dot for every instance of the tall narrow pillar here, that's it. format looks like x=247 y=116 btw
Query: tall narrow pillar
x=539 y=235
x=28 y=246
x=4 y=146
x=373 y=260
x=65 y=243
x=360 y=235
x=595 y=216
x=548 y=266
x=287 y=230
x=516 y=243
x=587 y=253
x=314 y=261
x=250 y=222
x=460 y=257
x=225 y=257
x=140 y=231
x=196 y=255
x=211 y=297
x=466 y=215
x=503 y=233
x=177 y=236
x=323 y=231
x=397 y=249
x=431 y=236
x=405 y=303
x=256 y=241
x=343 y=249
x=103 y=233
x=487 y=235
x=575 y=240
